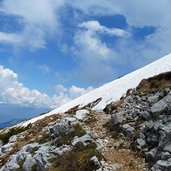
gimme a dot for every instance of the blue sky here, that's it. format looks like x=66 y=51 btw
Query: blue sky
x=52 y=51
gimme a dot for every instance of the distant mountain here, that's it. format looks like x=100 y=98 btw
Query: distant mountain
x=11 y=123
x=10 y=112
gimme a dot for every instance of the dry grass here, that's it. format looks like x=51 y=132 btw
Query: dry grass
x=34 y=134
x=90 y=120
x=155 y=83
x=127 y=159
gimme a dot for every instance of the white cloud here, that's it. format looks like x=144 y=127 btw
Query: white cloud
x=94 y=57
x=14 y=92
x=73 y=92
x=9 y=38
x=87 y=41
x=39 y=19
x=95 y=26
x=125 y=53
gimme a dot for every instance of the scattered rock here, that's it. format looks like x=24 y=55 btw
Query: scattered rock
x=117 y=118
x=84 y=139
x=29 y=163
x=82 y=114
x=7 y=148
x=13 y=139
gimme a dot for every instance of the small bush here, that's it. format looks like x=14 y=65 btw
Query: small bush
x=78 y=159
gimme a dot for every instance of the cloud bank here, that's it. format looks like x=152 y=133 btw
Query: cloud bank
x=38 y=19
x=14 y=92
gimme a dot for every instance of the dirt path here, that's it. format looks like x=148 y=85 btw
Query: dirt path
x=115 y=151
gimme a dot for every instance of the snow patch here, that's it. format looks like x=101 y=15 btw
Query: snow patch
x=113 y=90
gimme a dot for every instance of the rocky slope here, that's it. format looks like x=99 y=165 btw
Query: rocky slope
x=144 y=118
x=130 y=134
x=74 y=141
x=113 y=90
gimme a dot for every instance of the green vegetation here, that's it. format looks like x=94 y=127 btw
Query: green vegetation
x=13 y=131
x=78 y=159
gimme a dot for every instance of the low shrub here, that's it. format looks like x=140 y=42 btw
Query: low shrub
x=78 y=159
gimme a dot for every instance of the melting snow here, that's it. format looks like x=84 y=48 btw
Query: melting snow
x=113 y=90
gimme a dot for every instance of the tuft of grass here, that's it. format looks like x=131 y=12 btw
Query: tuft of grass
x=78 y=159
x=90 y=120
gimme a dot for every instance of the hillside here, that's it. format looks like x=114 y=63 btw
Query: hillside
x=115 y=89
x=121 y=126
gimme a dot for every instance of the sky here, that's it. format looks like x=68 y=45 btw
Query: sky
x=52 y=51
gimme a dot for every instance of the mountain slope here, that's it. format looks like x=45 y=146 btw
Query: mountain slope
x=115 y=89
x=132 y=133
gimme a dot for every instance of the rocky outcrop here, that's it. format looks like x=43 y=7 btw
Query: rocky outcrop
x=145 y=119
x=36 y=148
x=78 y=138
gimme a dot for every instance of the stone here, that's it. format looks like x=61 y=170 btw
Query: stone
x=62 y=149
x=84 y=139
x=145 y=115
x=7 y=148
x=70 y=119
x=117 y=118
x=141 y=135
x=43 y=156
x=165 y=155
x=10 y=166
x=82 y=114
x=163 y=105
x=29 y=163
x=141 y=142
x=153 y=99
x=167 y=129
x=95 y=160
x=151 y=156
x=60 y=128
x=164 y=165
x=128 y=130
x=167 y=147
x=129 y=99
x=13 y=139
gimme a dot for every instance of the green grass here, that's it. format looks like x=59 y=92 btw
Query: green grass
x=78 y=159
